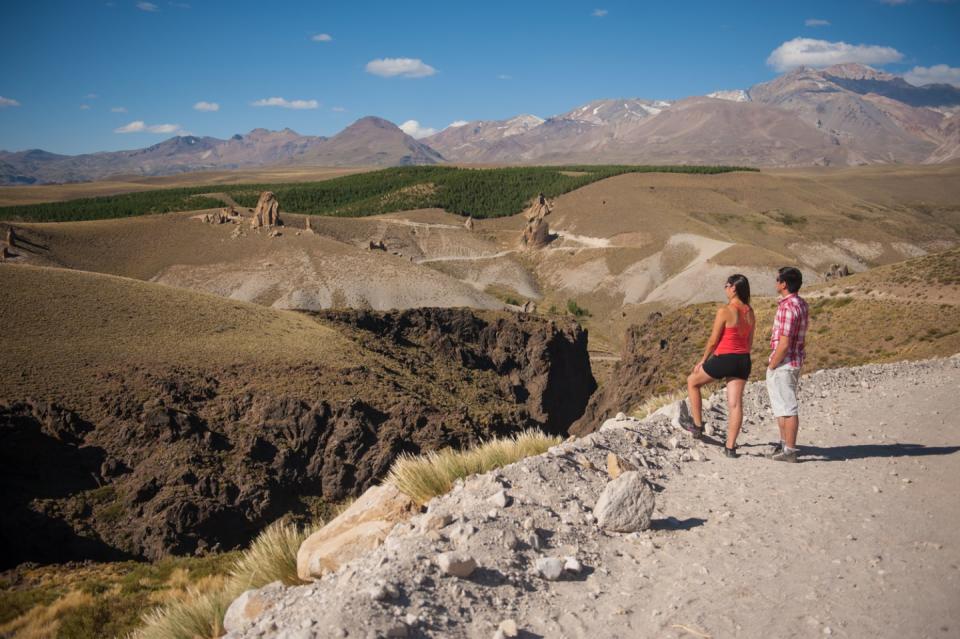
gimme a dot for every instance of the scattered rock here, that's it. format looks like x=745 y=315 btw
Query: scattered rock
x=550 y=568
x=836 y=271
x=360 y=528
x=246 y=608
x=572 y=564
x=509 y=628
x=377 y=246
x=500 y=499
x=617 y=466
x=221 y=216
x=457 y=564
x=434 y=521
x=583 y=461
x=626 y=504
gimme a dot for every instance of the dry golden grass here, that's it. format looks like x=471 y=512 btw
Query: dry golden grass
x=423 y=477
x=63 y=327
x=655 y=403
x=198 y=611
x=43 y=621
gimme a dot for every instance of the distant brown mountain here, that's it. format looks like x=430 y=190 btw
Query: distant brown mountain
x=846 y=114
x=367 y=142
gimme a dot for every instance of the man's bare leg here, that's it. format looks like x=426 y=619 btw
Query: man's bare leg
x=788 y=432
x=781 y=427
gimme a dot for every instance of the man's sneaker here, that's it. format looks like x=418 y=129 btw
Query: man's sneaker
x=786 y=456
x=730 y=452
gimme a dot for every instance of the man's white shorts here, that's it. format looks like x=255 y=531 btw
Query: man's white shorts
x=782 y=383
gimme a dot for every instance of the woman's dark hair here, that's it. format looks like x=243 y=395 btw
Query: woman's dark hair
x=741 y=285
x=792 y=277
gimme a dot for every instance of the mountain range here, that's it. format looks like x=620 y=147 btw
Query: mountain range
x=842 y=115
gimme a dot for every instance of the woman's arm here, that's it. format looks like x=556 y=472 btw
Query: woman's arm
x=718 y=323
x=753 y=329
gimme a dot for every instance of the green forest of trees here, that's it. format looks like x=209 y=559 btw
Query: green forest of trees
x=481 y=193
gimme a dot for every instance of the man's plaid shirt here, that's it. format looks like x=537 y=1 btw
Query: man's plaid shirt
x=791 y=321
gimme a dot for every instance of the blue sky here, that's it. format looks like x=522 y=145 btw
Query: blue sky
x=78 y=72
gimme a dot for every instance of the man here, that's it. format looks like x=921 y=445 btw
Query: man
x=783 y=367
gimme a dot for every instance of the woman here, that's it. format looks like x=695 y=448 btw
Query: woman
x=727 y=356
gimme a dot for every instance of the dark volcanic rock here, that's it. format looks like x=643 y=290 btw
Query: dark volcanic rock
x=647 y=364
x=206 y=462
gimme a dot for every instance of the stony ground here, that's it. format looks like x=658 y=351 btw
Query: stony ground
x=861 y=539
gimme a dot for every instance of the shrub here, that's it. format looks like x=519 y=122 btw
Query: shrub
x=576 y=310
x=423 y=477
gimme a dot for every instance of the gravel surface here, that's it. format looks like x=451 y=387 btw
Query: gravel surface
x=860 y=539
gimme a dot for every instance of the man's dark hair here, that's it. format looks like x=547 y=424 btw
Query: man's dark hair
x=792 y=277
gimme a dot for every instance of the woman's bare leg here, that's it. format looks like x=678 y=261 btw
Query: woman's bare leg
x=694 y=381
x=734 y=409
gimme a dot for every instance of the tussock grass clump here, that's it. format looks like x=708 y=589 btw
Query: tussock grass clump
x=271 y=557
x=199 y=612
x=43 y=621
x=423 y=477
x=655 y=403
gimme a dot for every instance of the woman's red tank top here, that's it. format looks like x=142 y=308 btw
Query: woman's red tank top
x=735 y=339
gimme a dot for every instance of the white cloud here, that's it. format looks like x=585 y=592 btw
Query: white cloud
x=599 y=13
x=286 y=104
x=84 y=107
x=457 y=123
x=337 y=109
x=91 y=96
x=139 y=126
x=404 y=67
x=322 y=37
x=821 y=53
x=206 y=106
x=816 y=22
x=937 y=74
x=8 y=102
x=118 y=109
x=414 y=130
x=504 y=76
x=147 y=6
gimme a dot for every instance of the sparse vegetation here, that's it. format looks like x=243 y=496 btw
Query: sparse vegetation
x=482 y=193
x=423 y=477
x=576 y=310
x=99 y=600
x=199 y=612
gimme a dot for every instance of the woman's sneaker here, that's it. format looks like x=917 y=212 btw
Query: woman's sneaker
x=730 y=452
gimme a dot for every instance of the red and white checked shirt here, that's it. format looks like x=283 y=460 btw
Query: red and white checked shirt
x=791 y=321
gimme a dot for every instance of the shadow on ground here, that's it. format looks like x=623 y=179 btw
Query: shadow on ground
x=863 y=451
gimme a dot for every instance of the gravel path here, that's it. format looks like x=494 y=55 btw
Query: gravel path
x=861 y=539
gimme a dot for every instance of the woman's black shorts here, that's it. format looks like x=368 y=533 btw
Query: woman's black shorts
x=736 y=365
